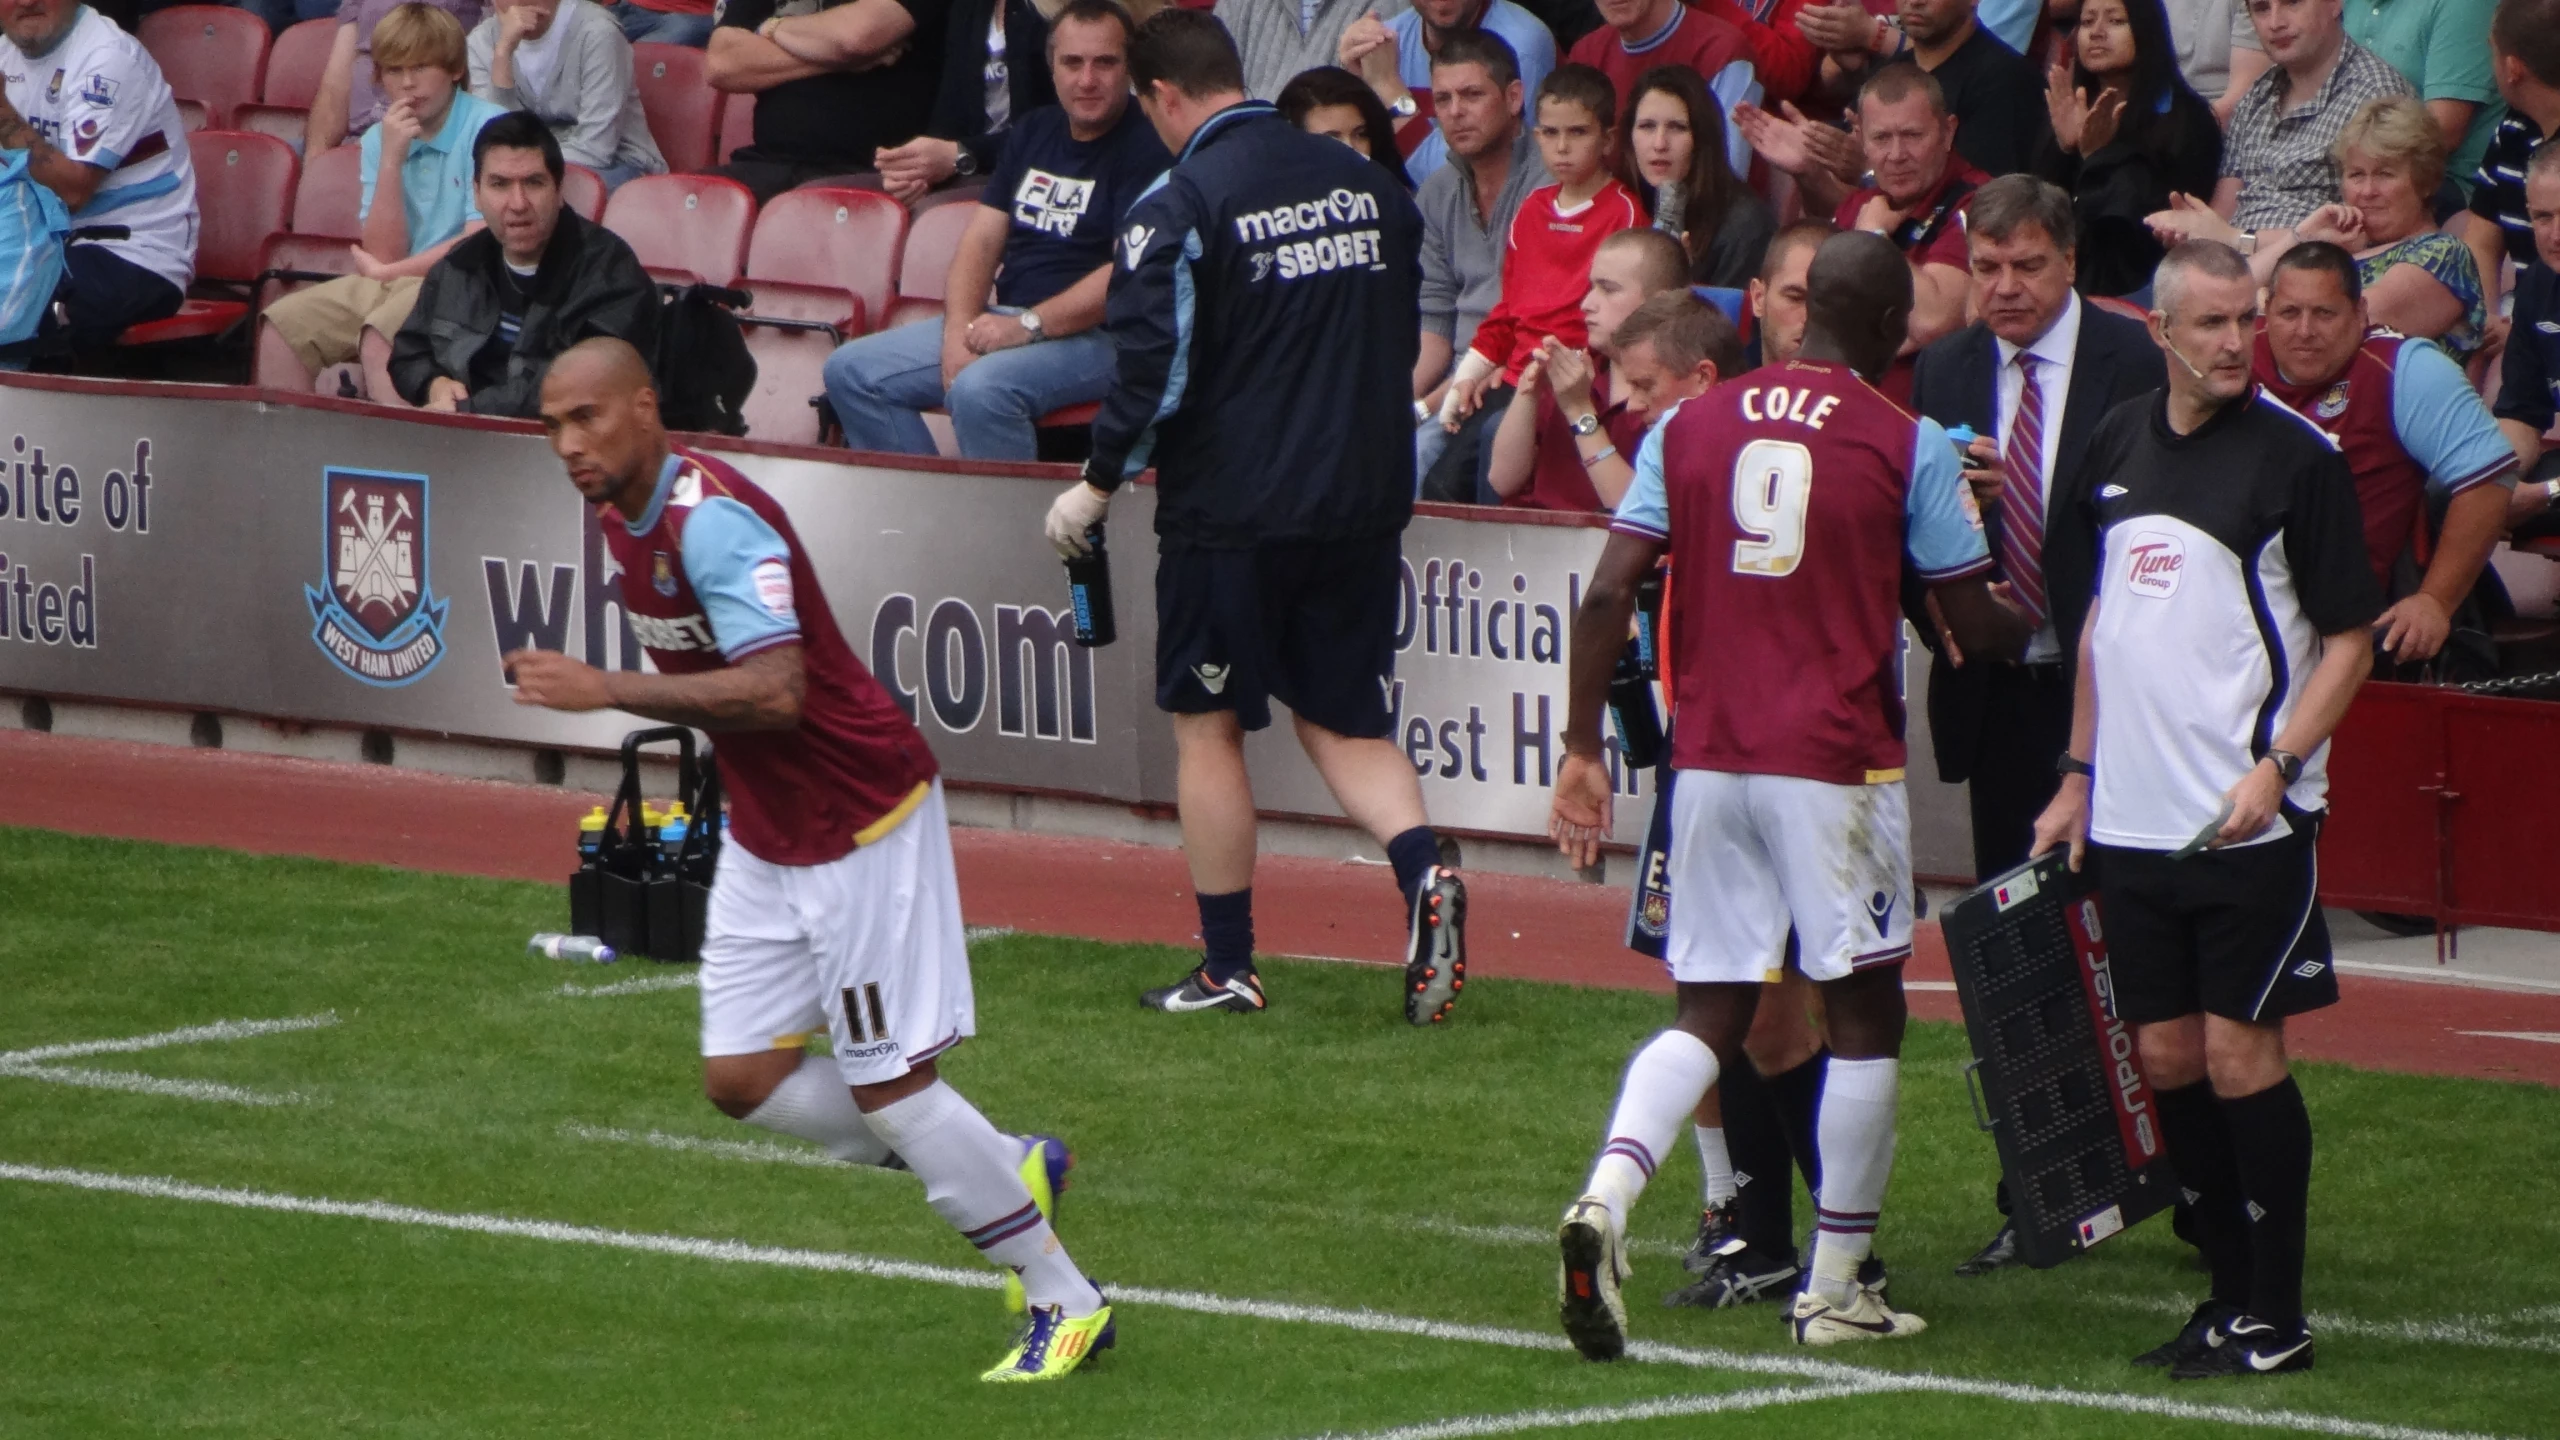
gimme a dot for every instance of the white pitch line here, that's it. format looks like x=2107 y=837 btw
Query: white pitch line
x=641 y=986
x=2471 y=1330
x=2539 y=1037
x=756 y=1151
x=976 y=933
x=1466 y=1426
x=190 y=1035
x=127 y=1080
x=1202 y=1303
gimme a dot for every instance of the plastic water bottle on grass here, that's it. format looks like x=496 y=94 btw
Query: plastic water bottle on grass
x=551 y=945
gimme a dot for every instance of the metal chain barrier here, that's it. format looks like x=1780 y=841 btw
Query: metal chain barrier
x=2511 y=684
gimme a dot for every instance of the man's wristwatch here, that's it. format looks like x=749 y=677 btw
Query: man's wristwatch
x=2246 y=242
x=964 y=164
x=2551 y=492
x=2288 y=765
x=1404 y=107
x=1031 y=326
x=1586 y=423
x=2069 y=764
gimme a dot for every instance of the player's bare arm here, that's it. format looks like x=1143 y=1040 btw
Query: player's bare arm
x=1980 y=621
x=762 y=692
x=1580 y=818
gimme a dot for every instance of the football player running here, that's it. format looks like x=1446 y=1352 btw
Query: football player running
x=1788 y=500
x=836 y=903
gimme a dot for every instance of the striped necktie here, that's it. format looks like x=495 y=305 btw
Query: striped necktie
x=2022 y=495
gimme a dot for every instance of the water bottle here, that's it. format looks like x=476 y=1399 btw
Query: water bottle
x=671 y=832
x=1963 y=435
x=1089 y=591
x=591 y=840
x=551 y=945
x=1649 y=625
x=1632 y=711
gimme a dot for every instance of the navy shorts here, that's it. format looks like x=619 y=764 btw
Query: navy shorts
x=2235 y=932
x=1311 y=623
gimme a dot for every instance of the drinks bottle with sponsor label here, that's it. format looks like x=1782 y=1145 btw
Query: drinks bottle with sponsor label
x=1632 y=712
x=1089 y=591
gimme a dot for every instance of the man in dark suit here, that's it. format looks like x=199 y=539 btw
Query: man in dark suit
x=2031 y=377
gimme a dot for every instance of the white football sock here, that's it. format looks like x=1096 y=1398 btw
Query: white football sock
x=972 y=1179
x=814 y=1103
x=1664 y=1083
x=1715 y=1166
x=1859 y=1098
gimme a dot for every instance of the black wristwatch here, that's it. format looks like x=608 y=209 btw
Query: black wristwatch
x=2069 y=764
x=2288 y=765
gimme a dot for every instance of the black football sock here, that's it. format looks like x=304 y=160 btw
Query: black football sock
x=2191 y=1121
x=1226 y=934
x=2271 y=1136
x=1799 y=1096
x=1413 y=853
x=1756 y=1138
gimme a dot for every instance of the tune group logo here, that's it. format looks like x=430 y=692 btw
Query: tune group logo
x=374 y=614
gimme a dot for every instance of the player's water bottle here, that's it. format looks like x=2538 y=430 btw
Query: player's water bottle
x=1089 y=591
x=1963 y=436
x=1632 y=711
x=1649 y=625
x=672 y=828
x=550 y=945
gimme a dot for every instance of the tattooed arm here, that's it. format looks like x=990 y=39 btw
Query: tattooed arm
x=761 y=692
x=74 y=181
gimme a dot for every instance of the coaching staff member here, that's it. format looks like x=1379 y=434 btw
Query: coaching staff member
x=2233 y=622
x=1264 y=307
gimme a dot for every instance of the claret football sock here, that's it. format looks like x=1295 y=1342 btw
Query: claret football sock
x=2271 y=1140
x=1859 y=1099
x=972 y=1180
x=1413 y=853
x=1226 y=933
x=2193 y=1125
x=1664 y=1083
x=813 y=1103
x=1715 y=1166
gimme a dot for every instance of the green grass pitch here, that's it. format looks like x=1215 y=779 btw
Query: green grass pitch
x=1324 y=1156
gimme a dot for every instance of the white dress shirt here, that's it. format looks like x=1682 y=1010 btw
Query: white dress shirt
x=2053 y=353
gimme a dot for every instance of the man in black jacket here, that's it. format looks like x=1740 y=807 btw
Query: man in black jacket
x=1265 y=309
x=2032 y=378
x=503 y=301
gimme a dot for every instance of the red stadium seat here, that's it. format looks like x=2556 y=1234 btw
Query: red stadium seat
x=295 y=62
x=193 y=115
x=685 y=227
x=582 y=190
x=243 y=184
x=330 y=199
x=849 y=239
x=932 y=240
x=211 y=53
x=791 y=329
x=287 y=263
x=683 y=109
x=737 y=125
x=287 y=123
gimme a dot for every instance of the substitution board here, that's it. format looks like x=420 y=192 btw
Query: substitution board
x=2058 y=1083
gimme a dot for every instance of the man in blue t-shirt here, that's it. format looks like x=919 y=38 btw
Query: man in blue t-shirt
x=1042 y=240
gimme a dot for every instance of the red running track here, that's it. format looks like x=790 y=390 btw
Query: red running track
x=1518 y=927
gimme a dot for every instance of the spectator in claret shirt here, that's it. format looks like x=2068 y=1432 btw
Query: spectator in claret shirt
x=1990 y=89
x=1546 y=261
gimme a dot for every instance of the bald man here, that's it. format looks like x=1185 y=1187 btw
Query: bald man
x=1789 y=812
x=836 y=905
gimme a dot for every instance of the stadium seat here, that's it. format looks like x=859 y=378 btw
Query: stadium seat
x=210 y=53
x=287 y=263
x=685 y=227
x=931 y=241
x=848 y=239
x=243 y=184
x=737 y=125
x=330 y=199
x=969 y=193
x=287 y=123
x=192 y=115
x=683 y=109
x=295 y=61
x=582 y=190
x=791 y=329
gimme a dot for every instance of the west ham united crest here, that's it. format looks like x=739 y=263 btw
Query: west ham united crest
x=375 y=616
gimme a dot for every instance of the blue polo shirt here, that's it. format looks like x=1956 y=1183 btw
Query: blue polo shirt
x=435 y=176
x=1526 y=34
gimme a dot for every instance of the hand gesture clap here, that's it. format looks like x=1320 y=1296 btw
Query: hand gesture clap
x=2083 y=124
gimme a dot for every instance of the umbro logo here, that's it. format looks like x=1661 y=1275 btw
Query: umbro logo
x=2310 y=969
x=1213 y=678
x=2110 y=492
x=2547 y=327
x=2257 y=1211
x=1880 y=910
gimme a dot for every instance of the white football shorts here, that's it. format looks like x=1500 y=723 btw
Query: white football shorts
x=869 y=946
x=1754 y=854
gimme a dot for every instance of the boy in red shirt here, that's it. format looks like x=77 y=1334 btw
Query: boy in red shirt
x=1546 y=262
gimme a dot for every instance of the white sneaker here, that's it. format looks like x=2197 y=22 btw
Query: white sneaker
x=1816 y=1321
x=1593 y=1262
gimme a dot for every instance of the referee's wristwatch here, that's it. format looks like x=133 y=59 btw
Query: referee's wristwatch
x=2069 y=764
x=2288 y=765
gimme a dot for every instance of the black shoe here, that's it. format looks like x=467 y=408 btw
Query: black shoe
x=2247 y=1346
x=1736 y=1274
x=2196 y=1337
x=1241 y=993
x=2001 y=1253
x=1435 y=966
x=1716 y=1229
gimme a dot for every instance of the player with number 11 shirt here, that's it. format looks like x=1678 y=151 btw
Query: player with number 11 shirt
x=1789 y=500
